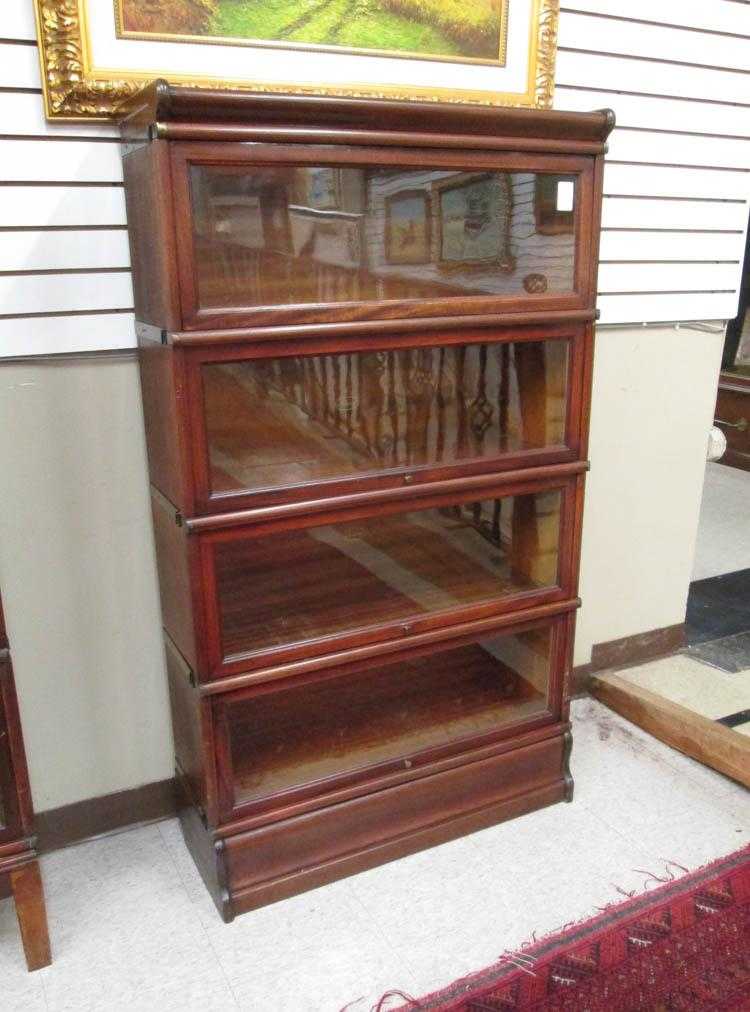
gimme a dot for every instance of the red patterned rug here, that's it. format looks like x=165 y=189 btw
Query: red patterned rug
x=684 y=947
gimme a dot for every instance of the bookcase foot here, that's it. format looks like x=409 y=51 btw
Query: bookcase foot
x=28 y=893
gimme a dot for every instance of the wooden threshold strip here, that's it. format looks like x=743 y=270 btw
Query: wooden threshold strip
x=696 y=736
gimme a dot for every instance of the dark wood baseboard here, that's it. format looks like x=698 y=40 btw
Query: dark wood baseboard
x=626 y=652
x=60 y=827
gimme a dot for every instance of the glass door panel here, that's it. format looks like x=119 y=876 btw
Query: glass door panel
x=281 y=235
x=282 y=422
x=312 y=582
x=387 y=716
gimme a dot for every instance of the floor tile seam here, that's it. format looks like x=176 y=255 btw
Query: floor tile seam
x=634 y=840
x=213 y=951
x=45 y=997
x=195 y=907
x=176 y=864
x=155 y=990
x=673 y=758
x=379 y=929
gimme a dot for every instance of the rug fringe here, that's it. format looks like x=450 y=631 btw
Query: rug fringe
x=410 y=1002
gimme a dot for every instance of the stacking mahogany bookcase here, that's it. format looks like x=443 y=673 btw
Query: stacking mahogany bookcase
x=365 y=334
x=19 y=867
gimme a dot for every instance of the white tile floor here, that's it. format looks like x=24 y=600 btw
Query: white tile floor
x=133 y=928
x=723 y=544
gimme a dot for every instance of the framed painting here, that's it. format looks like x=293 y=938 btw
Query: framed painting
x=473 y=213
x=318 y=187
x=407 y=228
x=96 y=53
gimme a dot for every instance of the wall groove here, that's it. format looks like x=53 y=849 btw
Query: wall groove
x=649 y=94
x=652 y=59
x=659 y=24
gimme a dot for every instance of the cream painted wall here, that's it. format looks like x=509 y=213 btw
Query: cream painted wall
x=652 y=409
x=77 y=565
x=78 y=578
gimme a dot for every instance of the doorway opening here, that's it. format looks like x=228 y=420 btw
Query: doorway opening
x=718 y=611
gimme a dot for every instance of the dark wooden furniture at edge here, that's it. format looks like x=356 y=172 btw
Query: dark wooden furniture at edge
x=365 y=336
x=19 y=867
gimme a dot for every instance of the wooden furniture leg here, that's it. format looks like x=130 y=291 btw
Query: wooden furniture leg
x=26 y=883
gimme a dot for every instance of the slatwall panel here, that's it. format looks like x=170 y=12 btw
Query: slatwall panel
x=677 y=180
x=677 y=183
x=64 y=260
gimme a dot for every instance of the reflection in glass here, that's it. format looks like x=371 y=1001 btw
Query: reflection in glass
x=285 y=421
x=387 y=713
x=302 y=584
x=287 y=235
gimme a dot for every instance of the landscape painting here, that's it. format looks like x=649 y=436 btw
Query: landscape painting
x=407 y=228
x=455 y=30
x=474 y=217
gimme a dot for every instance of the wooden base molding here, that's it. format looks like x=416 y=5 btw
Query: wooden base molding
x=61 y=827
x=246 y=870
x=698 y=737
x=625 y=652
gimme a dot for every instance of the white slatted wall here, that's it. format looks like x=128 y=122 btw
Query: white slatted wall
x=677 y=184
x=64 y=262
x=677 y=180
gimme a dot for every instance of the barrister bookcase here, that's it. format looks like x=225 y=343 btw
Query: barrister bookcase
x=19 y=867
x=365 y=334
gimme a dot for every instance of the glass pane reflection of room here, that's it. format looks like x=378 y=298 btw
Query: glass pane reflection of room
x=274 y=423
x=291 y=235
x=388 y=714
x=320 y=581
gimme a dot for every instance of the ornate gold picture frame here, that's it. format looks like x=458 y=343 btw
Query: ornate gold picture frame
x=91 y=62
x=450 y=30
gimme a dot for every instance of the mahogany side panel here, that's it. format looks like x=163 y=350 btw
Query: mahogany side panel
x=207 y=853
x=148 y=190
x=178 y=585
x=167 y=437
x=189 y=749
